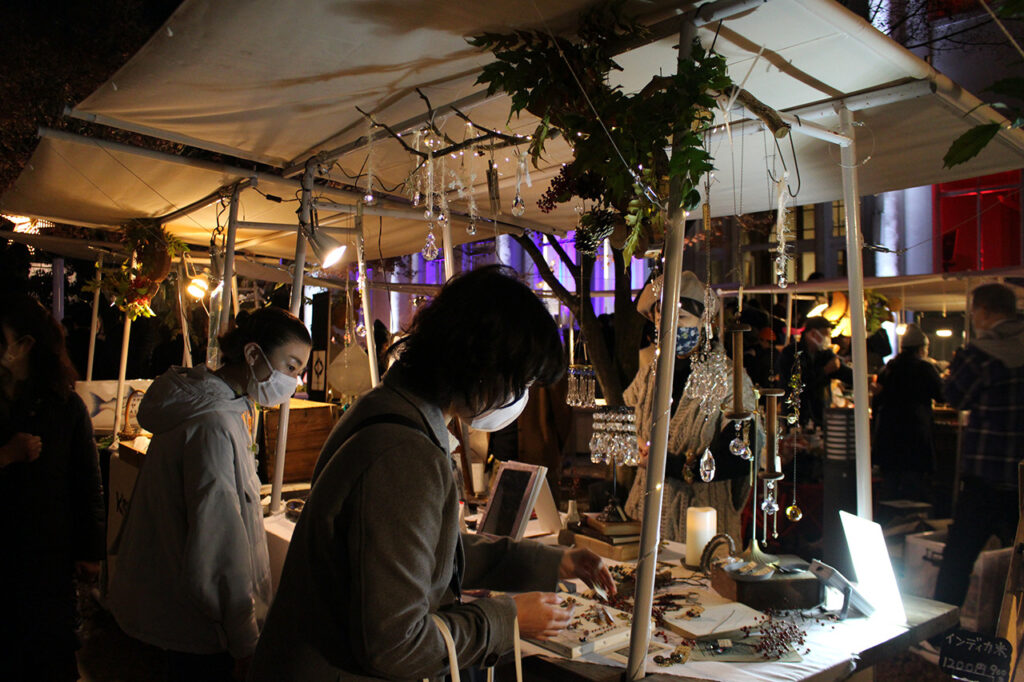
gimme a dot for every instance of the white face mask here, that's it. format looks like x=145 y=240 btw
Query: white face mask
x=499 y=418
x=273 y=390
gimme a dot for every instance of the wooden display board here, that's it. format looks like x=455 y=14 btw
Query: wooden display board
x=594 y=628
x=309 y=424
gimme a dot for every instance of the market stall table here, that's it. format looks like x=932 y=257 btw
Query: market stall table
x=833 y=650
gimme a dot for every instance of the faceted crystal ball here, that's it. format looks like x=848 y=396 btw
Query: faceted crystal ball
x=794 y=513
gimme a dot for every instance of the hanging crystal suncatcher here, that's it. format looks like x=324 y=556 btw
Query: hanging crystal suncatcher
x=614 y=437
x=582 y=386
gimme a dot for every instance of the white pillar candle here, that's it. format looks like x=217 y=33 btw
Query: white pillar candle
x=701 y=525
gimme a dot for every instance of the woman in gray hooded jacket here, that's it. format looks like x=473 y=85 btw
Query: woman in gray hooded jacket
x=192 y=574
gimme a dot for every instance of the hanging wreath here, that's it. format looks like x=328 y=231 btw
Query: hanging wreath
x=149 y=250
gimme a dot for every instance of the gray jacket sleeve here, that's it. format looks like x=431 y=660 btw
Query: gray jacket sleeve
x=399 y=509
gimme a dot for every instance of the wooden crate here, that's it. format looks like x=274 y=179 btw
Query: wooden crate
x=309 y=424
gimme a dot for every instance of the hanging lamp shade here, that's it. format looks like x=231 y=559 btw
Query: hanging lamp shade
x=326 y=248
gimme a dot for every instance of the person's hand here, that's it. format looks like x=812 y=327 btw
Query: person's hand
x=241 y=669
x=644 y=449
x=584 y=564
x=22 y=447
x=539 y=615
x=88 y=571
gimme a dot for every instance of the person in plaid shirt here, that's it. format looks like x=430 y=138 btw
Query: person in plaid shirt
x=987 y=378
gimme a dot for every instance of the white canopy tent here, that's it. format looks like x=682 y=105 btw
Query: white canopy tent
x=279 y=83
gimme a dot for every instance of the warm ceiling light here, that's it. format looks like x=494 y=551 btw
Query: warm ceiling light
x=327 y=249
x=901 y=329
x=817 y=310
x=843 y=328
x=838 y=309
x=944 y=332
x=198 y=287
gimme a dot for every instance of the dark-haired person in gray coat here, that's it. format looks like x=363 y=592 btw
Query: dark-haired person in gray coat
x=377 y=550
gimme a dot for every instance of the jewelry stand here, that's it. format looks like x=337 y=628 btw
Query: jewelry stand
x=771 y=471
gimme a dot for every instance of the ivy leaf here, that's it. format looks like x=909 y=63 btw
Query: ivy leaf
x=968 y=145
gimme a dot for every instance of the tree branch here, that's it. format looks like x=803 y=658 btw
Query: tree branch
x=510 y=139
x=573 y=268
x=430 y=119
x=568 y=299
x=755 y=106
x=392 y=133
x=769 y=116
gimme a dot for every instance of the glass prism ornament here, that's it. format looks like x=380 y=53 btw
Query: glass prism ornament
x=707 y=466
x=791 y=418
x=738 y=447
x=417 y=197
x=428 y=214
x=769 y=505
x=471 y=227
x=794 y=513
x=518 y=205
x=430 y=250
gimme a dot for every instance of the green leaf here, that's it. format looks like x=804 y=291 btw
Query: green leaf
x=968 y=145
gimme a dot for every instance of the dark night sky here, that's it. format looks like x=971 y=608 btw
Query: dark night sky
x=53 y=54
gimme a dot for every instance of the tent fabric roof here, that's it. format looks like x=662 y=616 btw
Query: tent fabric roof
x=277 y=82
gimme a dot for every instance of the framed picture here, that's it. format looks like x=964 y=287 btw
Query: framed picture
x=515 y=491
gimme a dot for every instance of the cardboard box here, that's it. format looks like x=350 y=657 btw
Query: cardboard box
x=922 y=556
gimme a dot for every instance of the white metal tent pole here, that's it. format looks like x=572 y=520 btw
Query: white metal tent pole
x=789 y=317
x=364 y=295
x=229 y=262
x=449 y=252
x=122 y=370
x=94 y=322
x=296 y=306
x=855 y=276
x=650 y=530
x=186 y=346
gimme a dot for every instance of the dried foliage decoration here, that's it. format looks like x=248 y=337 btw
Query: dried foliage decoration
x=563 y=82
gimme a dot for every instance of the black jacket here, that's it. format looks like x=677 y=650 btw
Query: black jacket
x=53 y=516
x=903 y=414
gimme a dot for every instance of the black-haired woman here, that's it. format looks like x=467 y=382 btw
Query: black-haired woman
x=377 y=551
x=52 y=523
x=192 y=574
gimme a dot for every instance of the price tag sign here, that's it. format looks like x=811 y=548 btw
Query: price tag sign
x=967 y=655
